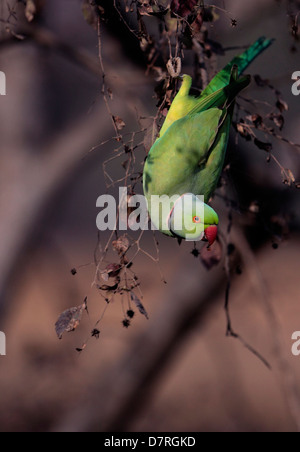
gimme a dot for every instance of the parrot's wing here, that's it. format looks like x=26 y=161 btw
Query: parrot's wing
x=189 y=156
x=176 y=160
x=183 y=103
x=224 y=96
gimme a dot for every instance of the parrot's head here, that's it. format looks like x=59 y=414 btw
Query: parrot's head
x=192 y=219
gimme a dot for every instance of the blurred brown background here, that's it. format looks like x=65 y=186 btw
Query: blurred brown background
x=176 y=371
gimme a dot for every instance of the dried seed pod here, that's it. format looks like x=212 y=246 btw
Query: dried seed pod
x=174 y=67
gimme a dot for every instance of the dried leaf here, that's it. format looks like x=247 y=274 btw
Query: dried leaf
x=210 y=14
x=261 y=82
x=120 y=124
x=240 y=128
x=69 y=320
x=262 y=145
x=183 y=8
x=288 y=177
x=111 y=271
x=121 y=245
x=194 y=15
x=256 y=119
x=108 y=288
x=89 y=13
x=104 y=276
x=243 y=131
x=211 y=256
x=130 y=313
x=278 y=120
x=282 y=105
x=30 y=10
x=144 y=43
x=126 y=323
x=168 y=96
x=138 y=304
x=145 y=9
x=95 y=333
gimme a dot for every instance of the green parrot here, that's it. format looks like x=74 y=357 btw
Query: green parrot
x=184 y=164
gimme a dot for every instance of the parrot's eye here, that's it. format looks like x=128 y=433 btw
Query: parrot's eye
x=196 y=219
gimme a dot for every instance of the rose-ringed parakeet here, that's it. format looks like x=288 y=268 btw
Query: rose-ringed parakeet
x=184 y=164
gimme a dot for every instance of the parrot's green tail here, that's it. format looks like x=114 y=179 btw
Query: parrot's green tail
x=241 y=61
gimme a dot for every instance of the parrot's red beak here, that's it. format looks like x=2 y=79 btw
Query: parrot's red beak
x=210 y=234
